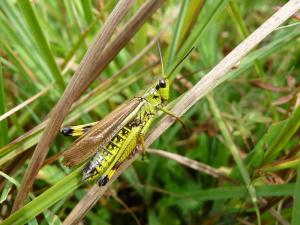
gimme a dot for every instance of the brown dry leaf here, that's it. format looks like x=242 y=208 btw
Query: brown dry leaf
x=268 y=86
x=282 y=100
x=193 y=164
x=291 y=81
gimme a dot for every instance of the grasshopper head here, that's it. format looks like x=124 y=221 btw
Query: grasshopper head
x=163 y=89
x=159 y=93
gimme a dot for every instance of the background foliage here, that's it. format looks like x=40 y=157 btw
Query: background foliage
x=251 y=120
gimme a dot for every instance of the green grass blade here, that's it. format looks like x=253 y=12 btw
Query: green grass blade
x=73 y=180
x=230 y=193
x=243 y=30
x=296 y=208
x=10 y=179
x=23 y=47
x=177 y=32
x=5 y=192
x=87 y=9
x=76 y=46
x=241 y=192
x=283 y=136
x=190 y=19
x=256 y=157
x=235 y=154
x=282 y=165
x=60 y=190
x=24 y=72
x=213 y=11
x=3 y=124
x=41 y=42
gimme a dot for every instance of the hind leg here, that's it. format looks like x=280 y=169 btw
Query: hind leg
x=142 y=134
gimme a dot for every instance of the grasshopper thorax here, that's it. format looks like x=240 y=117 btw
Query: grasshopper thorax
x=158 y=93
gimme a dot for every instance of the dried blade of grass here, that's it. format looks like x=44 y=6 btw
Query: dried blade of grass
x=280 y=219
x=23 y=104
x=215 y=77
x=122 y=203
x=193 y=164
x=86 y=71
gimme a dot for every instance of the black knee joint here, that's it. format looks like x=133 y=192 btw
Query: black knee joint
x=103 y=181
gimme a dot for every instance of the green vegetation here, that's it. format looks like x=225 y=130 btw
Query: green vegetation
x=239 y=162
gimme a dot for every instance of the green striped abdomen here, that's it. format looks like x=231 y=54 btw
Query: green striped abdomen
x=104 y=157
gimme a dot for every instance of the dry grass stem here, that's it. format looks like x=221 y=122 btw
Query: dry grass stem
x=23 y=104
x=92 y=197
x=193 y=164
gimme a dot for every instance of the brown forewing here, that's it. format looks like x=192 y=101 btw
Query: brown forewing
x=89 y=143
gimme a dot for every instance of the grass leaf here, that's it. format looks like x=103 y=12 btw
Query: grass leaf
x=41 y=42
x=3 y=124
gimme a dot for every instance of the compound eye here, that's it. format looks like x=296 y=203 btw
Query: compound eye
x=162 y=83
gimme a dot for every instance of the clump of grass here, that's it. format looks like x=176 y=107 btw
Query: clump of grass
x=238 y=165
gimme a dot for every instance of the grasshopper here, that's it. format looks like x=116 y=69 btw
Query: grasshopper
x=112 y=140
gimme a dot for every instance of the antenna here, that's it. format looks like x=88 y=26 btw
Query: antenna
x=184 y=57
x=161 y=60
